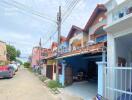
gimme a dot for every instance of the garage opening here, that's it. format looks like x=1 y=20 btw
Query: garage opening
x=81 y=75
x=92 y=71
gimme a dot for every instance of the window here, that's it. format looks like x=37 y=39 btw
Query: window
x=101 y=38
x=130 y=10
x=44 y=54
x=121 y=15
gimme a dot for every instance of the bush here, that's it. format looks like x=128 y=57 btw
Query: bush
x=54 y=84
x=43 y=78
x=27 y=65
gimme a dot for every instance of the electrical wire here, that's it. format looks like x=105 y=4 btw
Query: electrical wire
x=45 y=16
x=20 y=6
x=71 y=7
x=32 y=13
x=70 y=11
x=26 y=8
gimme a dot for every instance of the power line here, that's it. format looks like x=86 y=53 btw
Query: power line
x=28 y=9
x=72 y=6
x=45 y=16
x=50 y=37
x=67 y=2
x=70 y=10
x=20 y=6
x=16 y=6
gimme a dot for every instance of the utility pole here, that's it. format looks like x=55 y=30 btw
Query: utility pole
x=40 y=52
x=59 y=19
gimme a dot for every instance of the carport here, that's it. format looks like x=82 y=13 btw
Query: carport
x=84 y=67
x=84 y=76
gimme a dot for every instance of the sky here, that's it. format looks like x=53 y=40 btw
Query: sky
x=23 y=29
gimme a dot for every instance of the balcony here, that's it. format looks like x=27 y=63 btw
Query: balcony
x=120 y=18
x=77 y=37
x=65 y=52
x=50 y=54
x=83 y=50
x=95 y=27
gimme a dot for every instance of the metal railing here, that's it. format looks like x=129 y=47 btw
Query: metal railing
x=118 y=83
x=120 y=11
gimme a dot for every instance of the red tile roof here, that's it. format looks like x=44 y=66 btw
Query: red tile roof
x=73 y=29
x=54 y=44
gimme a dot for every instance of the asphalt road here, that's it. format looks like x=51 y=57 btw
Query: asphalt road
x=24 y=86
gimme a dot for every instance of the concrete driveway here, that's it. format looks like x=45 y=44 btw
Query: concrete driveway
x=85 y=90
x=24 y=86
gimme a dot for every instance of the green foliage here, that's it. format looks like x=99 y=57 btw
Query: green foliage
x=18 y=53
x=43 y=78
x=27 y=65
x=54 y=84
x=12 y=53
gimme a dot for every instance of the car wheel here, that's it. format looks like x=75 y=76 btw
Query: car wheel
x=10 y=73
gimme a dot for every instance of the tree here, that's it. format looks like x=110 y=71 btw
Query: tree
x=11 y=52
x=18 y=53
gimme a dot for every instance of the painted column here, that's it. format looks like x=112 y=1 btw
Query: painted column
x=111 y=62
x=62 y=76
x=111 y=55
x=101 y=78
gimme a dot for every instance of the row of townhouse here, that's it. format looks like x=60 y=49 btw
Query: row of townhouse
x=100 y=53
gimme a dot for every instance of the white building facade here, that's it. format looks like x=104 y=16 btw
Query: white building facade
x=118 y=73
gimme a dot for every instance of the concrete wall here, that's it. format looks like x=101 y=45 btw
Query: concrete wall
x=3 y=51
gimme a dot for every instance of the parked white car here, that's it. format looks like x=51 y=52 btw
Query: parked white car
x=18 y=64
x=14 y=66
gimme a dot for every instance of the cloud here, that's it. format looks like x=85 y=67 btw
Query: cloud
x=24 y=29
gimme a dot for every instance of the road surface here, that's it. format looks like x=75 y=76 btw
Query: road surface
x=24 y=86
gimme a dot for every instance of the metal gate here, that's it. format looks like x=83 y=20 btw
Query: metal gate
x=118 y=83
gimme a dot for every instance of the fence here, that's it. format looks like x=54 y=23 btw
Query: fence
x=118 y=83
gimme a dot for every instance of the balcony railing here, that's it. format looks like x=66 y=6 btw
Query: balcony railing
x=121 y=10
x=79 y=50
x=87 y=49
